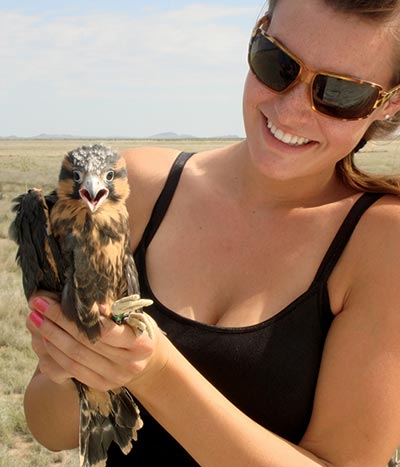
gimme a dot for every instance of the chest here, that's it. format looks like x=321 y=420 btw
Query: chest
x=232 y=269
x=269 y=370
x=100 y=239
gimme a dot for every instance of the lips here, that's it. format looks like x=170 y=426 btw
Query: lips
x=287 y=138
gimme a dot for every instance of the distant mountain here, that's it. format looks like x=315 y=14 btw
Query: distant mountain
x=42 y=136
x=171 y=135
x=47 y=136
x=62 y=136
x=167 y=135
x=226 y=137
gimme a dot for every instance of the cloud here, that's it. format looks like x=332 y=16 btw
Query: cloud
x=199 y=50
x=95 y=50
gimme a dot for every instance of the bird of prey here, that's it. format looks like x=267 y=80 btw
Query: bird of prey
x=75 y=242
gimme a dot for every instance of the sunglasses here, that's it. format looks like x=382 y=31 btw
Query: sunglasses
x=336 y=96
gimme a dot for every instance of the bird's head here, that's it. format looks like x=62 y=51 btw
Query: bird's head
x=93 y=175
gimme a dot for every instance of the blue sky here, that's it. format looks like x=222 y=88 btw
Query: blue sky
x=123 y=67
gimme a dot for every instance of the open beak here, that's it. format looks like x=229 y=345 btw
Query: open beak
x=93 y=192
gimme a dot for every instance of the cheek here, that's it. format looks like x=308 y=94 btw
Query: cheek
x=254 y=92
x=345 y=136
x=255 y=97
x=248 y=93
x=247 y=104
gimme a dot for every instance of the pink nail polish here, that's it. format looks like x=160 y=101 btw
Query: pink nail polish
x=36 y=318
x=40 y=304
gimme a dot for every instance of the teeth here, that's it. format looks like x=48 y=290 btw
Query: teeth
x=286 y=137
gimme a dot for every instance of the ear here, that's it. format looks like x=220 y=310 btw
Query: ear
x=391 y=107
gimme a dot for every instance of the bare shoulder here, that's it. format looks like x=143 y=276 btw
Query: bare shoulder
x=376 y=259
x=148 y=164
x=386 y=209
x=147 y=168
x=379 y=228
x=373 y=255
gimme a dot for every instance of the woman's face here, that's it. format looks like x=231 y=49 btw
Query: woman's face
x=324 y=40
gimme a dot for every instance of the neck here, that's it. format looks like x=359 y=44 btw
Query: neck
x=259 y=189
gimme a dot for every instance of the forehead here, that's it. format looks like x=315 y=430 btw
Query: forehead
x=93 y=159
x=333 y=41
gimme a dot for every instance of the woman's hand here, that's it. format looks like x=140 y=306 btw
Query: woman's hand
x=117 y=358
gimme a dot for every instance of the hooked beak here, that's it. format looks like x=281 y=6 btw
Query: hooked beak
x=93 y=192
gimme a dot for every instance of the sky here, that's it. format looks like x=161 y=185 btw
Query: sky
x=123 y=68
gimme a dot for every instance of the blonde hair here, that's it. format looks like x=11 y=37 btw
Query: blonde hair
x=381 y=12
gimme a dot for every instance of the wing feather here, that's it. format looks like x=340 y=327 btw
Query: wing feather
x=37 y=254
x=131 y=272
x=80 y=295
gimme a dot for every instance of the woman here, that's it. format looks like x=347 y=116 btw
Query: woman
x=290 y=325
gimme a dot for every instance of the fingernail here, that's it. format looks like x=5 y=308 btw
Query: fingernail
x=36 y=318
x=40 y=304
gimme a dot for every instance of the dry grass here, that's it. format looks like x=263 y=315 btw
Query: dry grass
x=28 y=163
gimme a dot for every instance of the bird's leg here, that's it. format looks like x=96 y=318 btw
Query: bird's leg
x=129 y=310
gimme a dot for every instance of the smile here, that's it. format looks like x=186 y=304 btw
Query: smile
x=287 y=138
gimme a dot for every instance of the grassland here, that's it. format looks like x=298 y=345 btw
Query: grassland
x=28 y=163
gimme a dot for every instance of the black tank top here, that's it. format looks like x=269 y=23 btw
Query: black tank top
x=268 y=370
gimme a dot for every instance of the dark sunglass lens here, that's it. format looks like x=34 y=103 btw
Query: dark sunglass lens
x=272 y=66
x=342 y=98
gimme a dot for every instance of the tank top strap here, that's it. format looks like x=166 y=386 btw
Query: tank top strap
x=161 y=206
x=343 y=235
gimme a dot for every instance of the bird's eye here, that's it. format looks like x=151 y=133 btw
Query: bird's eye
x=110 y=176
x=77 y=176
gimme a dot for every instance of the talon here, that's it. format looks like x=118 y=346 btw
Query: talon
x=130 y=303
x=129 y=310
x=141 y=322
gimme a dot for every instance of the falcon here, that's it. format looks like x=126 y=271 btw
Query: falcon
x=75 y=242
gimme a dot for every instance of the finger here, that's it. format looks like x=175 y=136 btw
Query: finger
x=52 y=310
x=52 y=325
x=45 y=294
x=118 y=353
x=111 y=333
x=122 y=336
x=46 y=363
x=66 y=342
x=54 y=372
x=80 y=372
x=80 y=360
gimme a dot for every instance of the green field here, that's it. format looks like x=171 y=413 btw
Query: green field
x=35 y=163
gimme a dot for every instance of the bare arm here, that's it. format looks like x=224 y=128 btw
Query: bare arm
x=52 y=413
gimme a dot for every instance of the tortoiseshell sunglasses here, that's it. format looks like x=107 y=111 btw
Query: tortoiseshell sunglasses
x=336 y=96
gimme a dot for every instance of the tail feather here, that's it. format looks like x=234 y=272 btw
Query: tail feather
x=105 y=418
x=123 y=405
